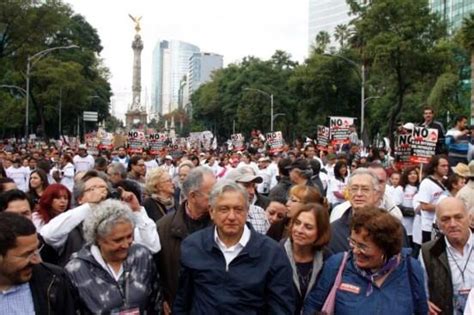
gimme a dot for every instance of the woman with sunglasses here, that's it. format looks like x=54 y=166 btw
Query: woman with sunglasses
x=377 y=277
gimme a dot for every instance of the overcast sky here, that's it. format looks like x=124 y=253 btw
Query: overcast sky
x=232 y=28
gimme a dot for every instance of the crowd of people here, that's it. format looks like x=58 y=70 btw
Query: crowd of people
x=301 y=231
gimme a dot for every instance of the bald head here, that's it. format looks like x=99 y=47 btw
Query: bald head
x=453 y=221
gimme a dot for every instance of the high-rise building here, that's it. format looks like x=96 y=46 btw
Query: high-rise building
x=453 y=11
x=201 y=66
x=170 y=63
x=325 y=15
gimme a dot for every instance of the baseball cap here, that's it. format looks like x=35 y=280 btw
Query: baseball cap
x=244 y=174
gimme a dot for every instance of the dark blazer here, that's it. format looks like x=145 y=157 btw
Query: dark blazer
x=257 y=281
x=440 y=284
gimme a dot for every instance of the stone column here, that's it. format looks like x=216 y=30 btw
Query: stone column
x=137 y=46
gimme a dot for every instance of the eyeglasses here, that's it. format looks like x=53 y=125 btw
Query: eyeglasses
x=363 y=190
x=36 y=253
x=361 y=247
x=95 y=188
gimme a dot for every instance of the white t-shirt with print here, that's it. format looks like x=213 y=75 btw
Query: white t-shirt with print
x=429 y=192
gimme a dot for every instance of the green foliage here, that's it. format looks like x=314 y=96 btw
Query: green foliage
x=69 y=77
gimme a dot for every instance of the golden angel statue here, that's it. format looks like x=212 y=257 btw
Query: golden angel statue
x=137 y=20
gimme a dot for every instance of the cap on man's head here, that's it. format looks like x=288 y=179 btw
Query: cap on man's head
x=244 y=174
x=331 y=156
x=264 y=159
x=82 y=147
x=168 y=157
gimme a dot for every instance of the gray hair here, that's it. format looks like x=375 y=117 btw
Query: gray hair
x=153 y=178
x=193 y=181
x=365 y=171
x=103 y=217
x=224 y=186
x=118 y=168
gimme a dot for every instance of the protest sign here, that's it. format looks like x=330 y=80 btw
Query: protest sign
x=275 y=141
x=136 y=141
x=323 y=137
x=237 y=141
x=423 y=144
x=156 y=141
x=339 y=128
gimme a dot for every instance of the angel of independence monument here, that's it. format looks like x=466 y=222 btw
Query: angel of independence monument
x=136 y=113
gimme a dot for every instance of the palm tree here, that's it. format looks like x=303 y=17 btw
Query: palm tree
x=341 y=34
x=467 y=38
x=322 y=41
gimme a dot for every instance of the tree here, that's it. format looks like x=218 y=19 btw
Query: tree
x=399 y=41
x=467 y=38
x=322 y=41
x=67 y=76
x=342 y=34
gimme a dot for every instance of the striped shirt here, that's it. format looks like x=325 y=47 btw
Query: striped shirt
x=17 y=300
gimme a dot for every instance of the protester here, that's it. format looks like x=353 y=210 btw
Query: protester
x=457 y=140
x=83 y=161
x=300 y=194
x=110 y=272
x=27 y=285
x=309 y=232
x=447 y=260
x=276 y=211
x=183 y=170
x=55 y=200
x=466 y=194
x=223 y=268
x=337 y=184
x=38 y=183
x=301 y=172
x=19 y=174
x=431 y=188
x=429 y=122
x=284 y=183
x=159 y=186
x=376 y=276
x=192 y=215
x=136 y=169
x=16 y=201
x=411 y=218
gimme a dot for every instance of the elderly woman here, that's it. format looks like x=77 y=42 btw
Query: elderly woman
x=300 y=194
x=309 y=233
x=111 y=273
x=160 y=188
x=376 y=276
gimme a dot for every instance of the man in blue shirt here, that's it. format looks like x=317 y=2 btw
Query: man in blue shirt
x=229 y=268
x=457 y=141
x=28 y=286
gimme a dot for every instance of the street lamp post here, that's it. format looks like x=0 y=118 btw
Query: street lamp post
x=362 y=87
x=30 y=63
x=270 y=95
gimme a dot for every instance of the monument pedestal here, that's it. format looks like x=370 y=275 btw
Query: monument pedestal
x=135 y=118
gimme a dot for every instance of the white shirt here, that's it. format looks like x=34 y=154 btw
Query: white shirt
x=455 y=260
x=95 y=251
x=83 y=164
x=149 y=165
x=233 y=251
x=407 y=201
x=56 y=231
x=20 y=176
x=429 y=192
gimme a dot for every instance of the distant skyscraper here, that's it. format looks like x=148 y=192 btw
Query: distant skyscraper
x=201 y=66
x=453 y=11
x=170 y=64
x=325 y=15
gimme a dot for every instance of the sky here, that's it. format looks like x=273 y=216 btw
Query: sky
x=232 y=28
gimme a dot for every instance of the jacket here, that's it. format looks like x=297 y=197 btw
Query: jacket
x=172 y=230
x=281 y=189
x=317 y=266
x=401 y=293
x=154 y=208
x=51 y=290
x=440 y=285
x=257 y=281
x=99 y=292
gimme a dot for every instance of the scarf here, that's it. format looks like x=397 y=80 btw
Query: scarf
x=389 y=265
x=168 y=203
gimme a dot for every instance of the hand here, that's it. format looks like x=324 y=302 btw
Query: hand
x=433 y=309
x=131 y=200
x=94 y=195
x=166 y=308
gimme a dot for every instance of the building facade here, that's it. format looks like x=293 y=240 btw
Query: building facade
x=453 y=11
x=170 y=63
